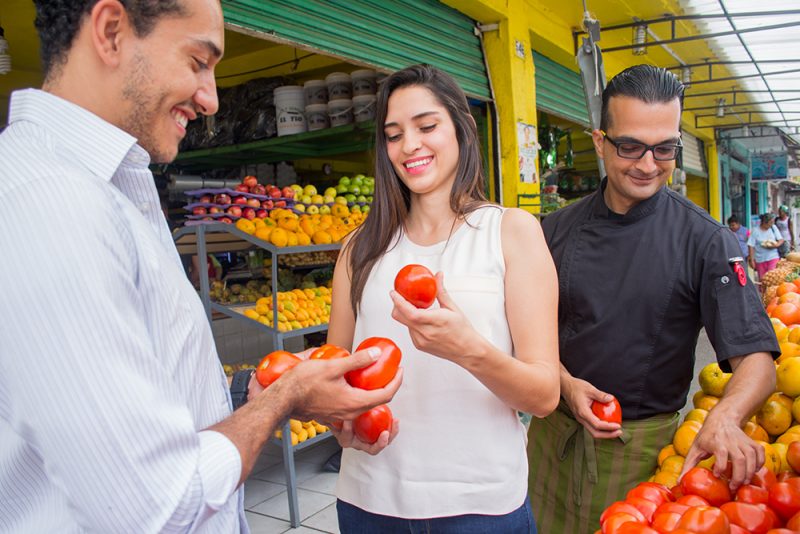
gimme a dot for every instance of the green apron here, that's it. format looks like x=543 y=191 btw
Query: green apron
x=573 y=477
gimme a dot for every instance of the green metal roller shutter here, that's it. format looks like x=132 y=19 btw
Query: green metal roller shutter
x=384 y=35
x=559 y=90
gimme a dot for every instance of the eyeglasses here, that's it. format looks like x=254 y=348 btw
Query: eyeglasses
x=634 y=150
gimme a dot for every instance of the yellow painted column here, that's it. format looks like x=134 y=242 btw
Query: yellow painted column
x=714 y=186
x=508 y=54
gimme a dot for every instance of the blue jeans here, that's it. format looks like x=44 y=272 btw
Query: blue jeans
x=354 y=520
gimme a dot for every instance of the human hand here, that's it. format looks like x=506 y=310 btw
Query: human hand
x=319 y=390
x=579 y=395
x=445 y=331
x=721 y=437
x=347 y=437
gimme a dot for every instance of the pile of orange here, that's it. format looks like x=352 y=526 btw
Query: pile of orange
x=298 y=308
x=284 y=228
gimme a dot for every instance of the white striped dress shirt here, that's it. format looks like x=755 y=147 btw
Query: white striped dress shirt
x=108 y=371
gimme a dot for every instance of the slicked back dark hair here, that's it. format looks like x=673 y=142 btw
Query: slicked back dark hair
x=58 y=22
x=652 y=85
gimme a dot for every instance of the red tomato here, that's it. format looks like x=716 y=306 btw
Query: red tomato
x=273 y=365
x=776 y=521
x=380 y=373
x=784 y=499
x=651 y=491
x=700 y=481
x=614 y=521
x=692 y=500
x=667 y=516
x=784 y=476
x=328 y=352
x=781 y=531
x=752 y=494
x=635 y=528
x=748 y=516
x=647 y=508
x=705 y=520
x=621 y=506
x=417 y=285
x=369 y=425
x=736 y=529
x=794 y=522
x=763 y=478
x=609 y=411
x=793 y=455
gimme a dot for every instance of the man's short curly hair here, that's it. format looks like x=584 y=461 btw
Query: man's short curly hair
x=58 y=22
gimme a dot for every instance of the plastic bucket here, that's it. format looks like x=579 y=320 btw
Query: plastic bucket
x=316 y=92
x=365 y=82
x=289 y=109
x=317 y=117
x=339 y=85
x=340 y=111
x=364 y=108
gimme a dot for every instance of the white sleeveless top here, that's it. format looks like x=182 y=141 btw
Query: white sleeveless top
x=460 y=449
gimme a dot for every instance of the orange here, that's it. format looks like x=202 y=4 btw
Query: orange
x=303 y=239
x=697 y=414
x=788 y=377
x=755 y=431
x=788 y=350
x=796 y=410
x=780 y=450
x=279 y=237
x=788 y=313
x=783 y=399
x=684 y=437
x=673 y=464
x=246 y=226
x=666 y=478
x=788 y=437
x=794 y=334
x=782 y=332
x=771 y=458
x=287 y=223
x=789 y=297
x=321 y=237
x=706 y=402
x=713 y=380
x=665 y=452
x=263 y=232
x=786 y=287
x=291 y=239
x=774 y=416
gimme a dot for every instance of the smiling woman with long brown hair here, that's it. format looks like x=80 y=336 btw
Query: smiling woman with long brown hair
x=487 y=349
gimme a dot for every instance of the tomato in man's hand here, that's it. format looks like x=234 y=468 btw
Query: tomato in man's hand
x=369 y=425
x=380 y=373
x=701 y=481
x=273 y=365
x=417 y=284
x=610 y=412
x=328 y=352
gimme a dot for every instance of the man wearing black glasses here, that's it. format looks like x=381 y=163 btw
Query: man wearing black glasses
x=641 y=270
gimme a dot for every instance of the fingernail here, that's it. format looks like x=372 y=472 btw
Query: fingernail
x=374 y=352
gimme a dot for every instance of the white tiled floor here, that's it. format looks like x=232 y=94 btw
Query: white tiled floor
x=266 y=499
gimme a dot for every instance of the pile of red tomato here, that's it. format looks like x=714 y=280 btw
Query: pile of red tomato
x=703 y=504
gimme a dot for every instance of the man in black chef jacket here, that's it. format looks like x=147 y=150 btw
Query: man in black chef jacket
x=641 y=270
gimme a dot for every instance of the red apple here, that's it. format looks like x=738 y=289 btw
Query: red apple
x=199 y=210
x=206 y=199
x=236 y=211
x=258 y=189
x=274 y=192
x=215 y=209
x=242 y=188
x=225 y=220
x=242 y=201
x=207 y=219
x=222 y=198
x=280 y=203
x=249 y=213
x=268 y=204
x=287 y=192
x=261 y=214
x=253 y=202
x=249 y=181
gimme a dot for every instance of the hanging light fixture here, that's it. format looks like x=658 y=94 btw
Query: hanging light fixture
x=745 y=131
x=5 y=58
x=686 y=76
x=639 y=38
x=720 y=108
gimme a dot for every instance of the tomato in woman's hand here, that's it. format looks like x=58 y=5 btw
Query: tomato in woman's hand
x=369 y=425
x=328 y=352
x=417 y=284
x=273 y=365
x=380 y=373
x=610 y=412
x=700 y=481
x=705 y=520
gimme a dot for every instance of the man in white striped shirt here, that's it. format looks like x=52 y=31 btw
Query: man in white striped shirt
x=114 y=411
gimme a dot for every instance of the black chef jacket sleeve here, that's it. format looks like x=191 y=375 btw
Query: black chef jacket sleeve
x=732 y=314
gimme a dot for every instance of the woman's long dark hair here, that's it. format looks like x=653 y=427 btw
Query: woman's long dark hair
x=392 y=199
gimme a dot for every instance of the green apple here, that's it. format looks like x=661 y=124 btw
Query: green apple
x=365 y=209
x=327 y=199
x=355 y=209
x=344 y=180
x=298 y=190
x=350 y=197
x=324 y=210
x=330 y=192
x=368 y=189
x=300 y=207
x=341 y=189
x=358 y=180
x=312 y=210
x=355 y=189
x=340 y=200
x=305 y=199
x=369 y=180
x=369 y=199
x=361 y=198
x=310 y=190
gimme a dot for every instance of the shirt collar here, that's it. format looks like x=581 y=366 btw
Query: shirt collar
x=95 y=143
x=642 y=209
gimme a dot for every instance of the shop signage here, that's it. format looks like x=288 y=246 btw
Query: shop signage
x=770 y=166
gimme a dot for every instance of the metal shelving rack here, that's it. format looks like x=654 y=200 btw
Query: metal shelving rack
x=221 y=237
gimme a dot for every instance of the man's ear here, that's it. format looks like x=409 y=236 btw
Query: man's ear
x=109 y=26
x=597 y=139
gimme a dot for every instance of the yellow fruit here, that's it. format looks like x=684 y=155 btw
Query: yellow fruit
x=312 y=432
x=279 y=237
x=794 y=335
x=796 y=410
x=246 y=226
x=291 y=240
x=788 y=350
x=781 y=330
x=706 y=402
x=673 y=464
x=684 y=437
x=666 y=452
x=302 y=435
x=303 y=239
x=288 y=223
x=788 y=377
x=295 y=425
x=780 y=450
x=697 y=414
x=258 y=223
x=321 y=237
x=667 y=478
x=774 y=416
x=713 y=380
x=264 y=232
x=250 y=313
x=708 y=463
x=771 y=458
x=783 y=399
x=295 y=439
x=755 y=431
x=788 y=437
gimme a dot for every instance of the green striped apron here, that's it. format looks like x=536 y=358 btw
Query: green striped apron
x=573 y=477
